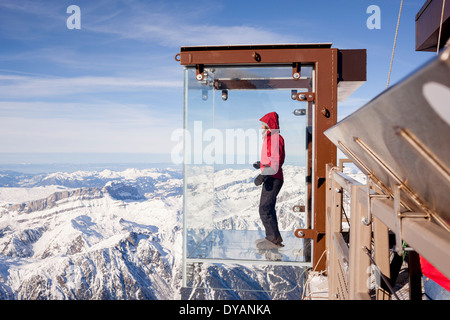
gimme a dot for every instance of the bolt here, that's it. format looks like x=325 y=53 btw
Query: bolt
x=325 y=112
x=256 y=56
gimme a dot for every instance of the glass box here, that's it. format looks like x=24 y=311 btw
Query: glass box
x=222 y=140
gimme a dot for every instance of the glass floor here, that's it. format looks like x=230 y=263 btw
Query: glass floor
x=239 y=246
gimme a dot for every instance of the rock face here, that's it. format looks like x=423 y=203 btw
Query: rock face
x=122 y=191
x=51 y=200
x=120 y=237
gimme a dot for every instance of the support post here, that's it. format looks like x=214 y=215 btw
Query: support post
x=360 y=237
x=381 y=250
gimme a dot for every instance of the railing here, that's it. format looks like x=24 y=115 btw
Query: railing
x=360 y=253
x=347 y=267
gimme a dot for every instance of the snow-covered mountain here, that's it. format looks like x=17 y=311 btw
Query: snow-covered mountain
x=118 y=235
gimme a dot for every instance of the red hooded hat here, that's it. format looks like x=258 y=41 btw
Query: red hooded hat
x=271 y=119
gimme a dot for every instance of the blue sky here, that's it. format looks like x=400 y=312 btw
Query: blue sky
x=113 y=86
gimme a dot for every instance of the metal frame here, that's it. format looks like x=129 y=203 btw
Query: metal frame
x=329 y=70
x=400 y=142
x=348 y=262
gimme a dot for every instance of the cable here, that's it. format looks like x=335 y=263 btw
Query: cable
x=321 y=256
x=314 y=270
x=440 y=28
x=395 y=42
x=383 y=277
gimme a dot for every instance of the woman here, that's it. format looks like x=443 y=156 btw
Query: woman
x=271 y=177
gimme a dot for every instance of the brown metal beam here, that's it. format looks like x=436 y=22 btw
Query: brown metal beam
x=352 y=71
x=324 y=150
x=251 y=56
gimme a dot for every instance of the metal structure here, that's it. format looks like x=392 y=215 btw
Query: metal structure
x=433 y=25
x=400 y=140
x=332 y=75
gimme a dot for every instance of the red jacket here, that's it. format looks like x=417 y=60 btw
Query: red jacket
x=434 y=274
x=272 y=153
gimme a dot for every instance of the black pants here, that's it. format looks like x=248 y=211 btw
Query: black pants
x=270 y=190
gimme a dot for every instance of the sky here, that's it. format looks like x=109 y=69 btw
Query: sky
x=112 y=86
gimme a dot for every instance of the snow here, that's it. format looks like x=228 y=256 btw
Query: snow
x=16 y=195
x=118 y=234
x=316 y=287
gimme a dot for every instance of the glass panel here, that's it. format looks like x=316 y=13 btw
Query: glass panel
x=223 y=138
x=198 y=181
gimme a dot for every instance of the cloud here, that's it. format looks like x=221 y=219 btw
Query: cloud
x=350 y=105
x=189 y=34
x=171 y=28
x=113 y=95
x=13 y=86
x=80 y=127
x=64 y=135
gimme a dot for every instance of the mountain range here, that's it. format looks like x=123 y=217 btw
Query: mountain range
x=119 y=235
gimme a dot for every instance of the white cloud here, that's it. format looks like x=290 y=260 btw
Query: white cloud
x=79 y=122
x=14 y=86
x=190 y=34
x=72 y=127
x=174 y=29
x=350 y=105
